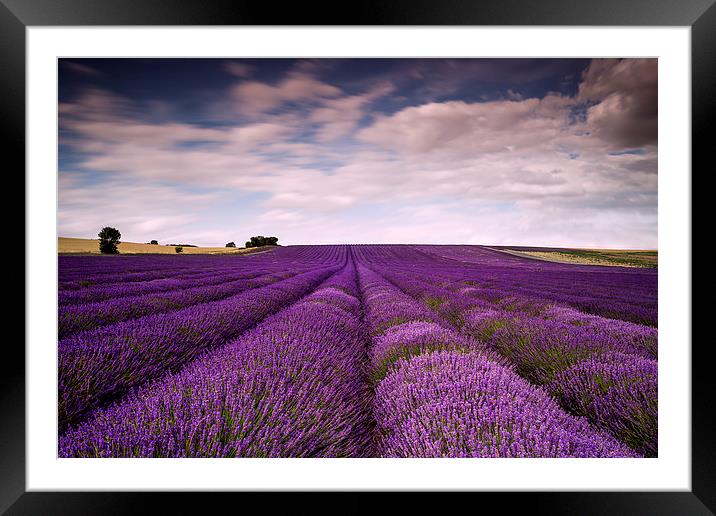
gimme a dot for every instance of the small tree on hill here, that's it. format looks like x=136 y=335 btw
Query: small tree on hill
x=179 y=249
x=154 y=242
x=231 y=244
x=249 y=244
x=108 y=240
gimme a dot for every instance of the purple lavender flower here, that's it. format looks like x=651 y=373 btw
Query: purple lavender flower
x=415 y=338
x=618 y=393
x=449 y=404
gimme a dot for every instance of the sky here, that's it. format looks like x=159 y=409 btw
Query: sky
x=544 y=152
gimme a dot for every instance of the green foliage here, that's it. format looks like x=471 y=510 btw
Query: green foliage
x=179 y=249
x=154 y=242
x=108 y=240
x=260 y=241
x=434 y=302
x=231 y=244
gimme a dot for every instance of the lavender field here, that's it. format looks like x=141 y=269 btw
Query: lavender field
x=355 y=351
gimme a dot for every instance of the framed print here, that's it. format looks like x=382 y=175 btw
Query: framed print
x=418 y=249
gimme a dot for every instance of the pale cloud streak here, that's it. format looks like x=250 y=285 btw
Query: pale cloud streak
x=256 y=97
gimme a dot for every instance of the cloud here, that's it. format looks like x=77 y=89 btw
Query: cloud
x=514 y=95
x=256 y=97
x=95 y=104
x=110 y=133
x=143 y=211
x=255 y=135
x=79 y=68
x=340 y=116
x=473 y=128
x=626 y=90
x=142 y=134
x=238 y=69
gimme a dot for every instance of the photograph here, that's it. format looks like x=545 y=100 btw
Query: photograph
x=396 y=257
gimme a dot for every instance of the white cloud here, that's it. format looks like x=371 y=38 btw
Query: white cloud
x=256 y=97
x=473 y=129
x=238 y=69
x=142 y=211
x=338 y=117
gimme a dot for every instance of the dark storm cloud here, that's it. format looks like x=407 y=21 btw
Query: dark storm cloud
x=626 y=92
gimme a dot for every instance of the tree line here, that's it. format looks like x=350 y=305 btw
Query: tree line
x=109 y=239
x=260 y=241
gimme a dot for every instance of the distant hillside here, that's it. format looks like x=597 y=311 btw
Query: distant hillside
x=91 y=246
x=613 y=257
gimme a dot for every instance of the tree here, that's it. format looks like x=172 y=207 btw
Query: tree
x=108 y=240
x=231 y=244
x=260 y=241
x=248 y=245
x=154 y=242
x=179 y=249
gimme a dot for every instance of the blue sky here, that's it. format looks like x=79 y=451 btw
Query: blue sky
x=491 y=151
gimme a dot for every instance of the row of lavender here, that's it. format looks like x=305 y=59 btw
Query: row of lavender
x=442 y=394
x=78 y=272
x=292 y=387
x=600 y=368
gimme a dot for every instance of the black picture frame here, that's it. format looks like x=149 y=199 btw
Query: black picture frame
x=17 y=15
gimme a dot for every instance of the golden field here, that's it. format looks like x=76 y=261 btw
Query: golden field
x=91 y=246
